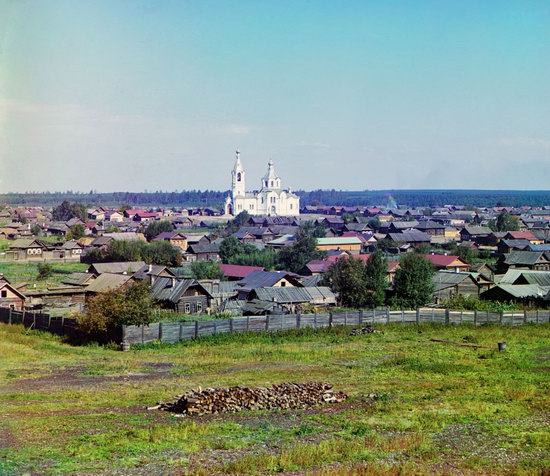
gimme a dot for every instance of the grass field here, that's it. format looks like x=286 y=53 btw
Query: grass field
x=438 y=408
x=27 y=272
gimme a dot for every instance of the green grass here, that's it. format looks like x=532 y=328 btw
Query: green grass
x=27 y=272
x=439 y=409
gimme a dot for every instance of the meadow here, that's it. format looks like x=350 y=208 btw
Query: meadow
x=415 y=406
x=27 y=272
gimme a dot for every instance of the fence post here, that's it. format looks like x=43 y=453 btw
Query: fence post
x=23 y=317
x=373 y=314
x=125 y=344
x=387 y=315
x=433 y=314
x=180 y=337
x=215 y=327
x=537 y=316
x=196 y=329
x=500 y=317
x=299 y=321
x=475 y=317
x=315 y=321
x=142 y=333
x=525 y=316
x=247 y=323
x=267 y=322
x=345 y=318
x=9 y=317
x=62 y=324
x=330 y=319
x=160 y=331
x=447 y=317
x=402 y=315
x=418 y=315
x=360 y=317
x=283 y=321
x=231 y=325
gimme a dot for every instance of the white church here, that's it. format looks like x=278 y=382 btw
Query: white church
x=270 y=200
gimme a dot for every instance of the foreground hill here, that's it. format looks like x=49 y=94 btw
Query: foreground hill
x=415 y=405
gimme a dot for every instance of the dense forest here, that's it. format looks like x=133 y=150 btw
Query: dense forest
x=215 y=199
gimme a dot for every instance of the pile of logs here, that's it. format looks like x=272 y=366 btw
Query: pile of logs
x=235 y=399
x=363 y=330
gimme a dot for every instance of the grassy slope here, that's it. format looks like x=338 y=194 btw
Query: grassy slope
x=27 y=272
x=442 y=408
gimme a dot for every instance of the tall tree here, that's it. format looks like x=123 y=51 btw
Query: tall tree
x=413 y=281
x=295 y=257
x=155 y=228
x=66 y=210
x=504 y=221
x=348 y=278
x=206 y=270
x=377 y=278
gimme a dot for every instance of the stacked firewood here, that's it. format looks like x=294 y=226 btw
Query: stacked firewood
x=235 y=399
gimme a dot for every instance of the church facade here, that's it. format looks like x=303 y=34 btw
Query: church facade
x=270 y=200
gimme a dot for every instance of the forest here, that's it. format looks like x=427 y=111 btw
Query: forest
x=215 y=199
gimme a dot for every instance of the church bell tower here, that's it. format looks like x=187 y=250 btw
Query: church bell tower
x=238 y=188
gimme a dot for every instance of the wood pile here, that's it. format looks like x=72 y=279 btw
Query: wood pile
x=235 y=399
x=363 y=330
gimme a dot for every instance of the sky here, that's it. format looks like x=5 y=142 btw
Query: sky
x=133 y=95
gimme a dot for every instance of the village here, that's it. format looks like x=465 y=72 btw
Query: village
x=494 y=254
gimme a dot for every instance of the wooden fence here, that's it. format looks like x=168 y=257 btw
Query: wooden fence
x=172 y=332
x=62 y=326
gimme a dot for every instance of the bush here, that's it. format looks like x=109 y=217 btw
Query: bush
x=105 y=311
x=45 y=270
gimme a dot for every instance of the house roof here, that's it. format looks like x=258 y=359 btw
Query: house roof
x=295 y=295
x=78 y=279
x=151 y=270
x=170 y=289
x=107 y=282
x=6 y=285
x=263 y=279
x=477 y=230
x=521 y=291
x=512 y=276
x=123 y=267
x=521 y=235
x=524 y=257
x=410 y=236
x=443 y=261
x=24 y=243
x=429 y=225
x=238 y=271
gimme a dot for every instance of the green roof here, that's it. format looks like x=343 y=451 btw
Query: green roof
x=342 y=240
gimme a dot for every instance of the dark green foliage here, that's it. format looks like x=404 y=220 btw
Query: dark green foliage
x=76 y=232
x=266 y=258
x=504 y=222
x=232 y=251
x=294 y=258
x=240 y=220
x=45 y=270
x=36 y=229
x=377 y=278
x=158 y=252
x=413 y=281
x=206 y=270
x=155 y=228
x=130 y=306
x=66 y=210
x=386 y=244
x=348 y=278
x=229 y=248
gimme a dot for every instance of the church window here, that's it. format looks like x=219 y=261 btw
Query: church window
x=272 y=183
x=291 y=206
x=239 y=177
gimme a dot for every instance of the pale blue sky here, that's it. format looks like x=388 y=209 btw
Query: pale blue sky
x=134 y=95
